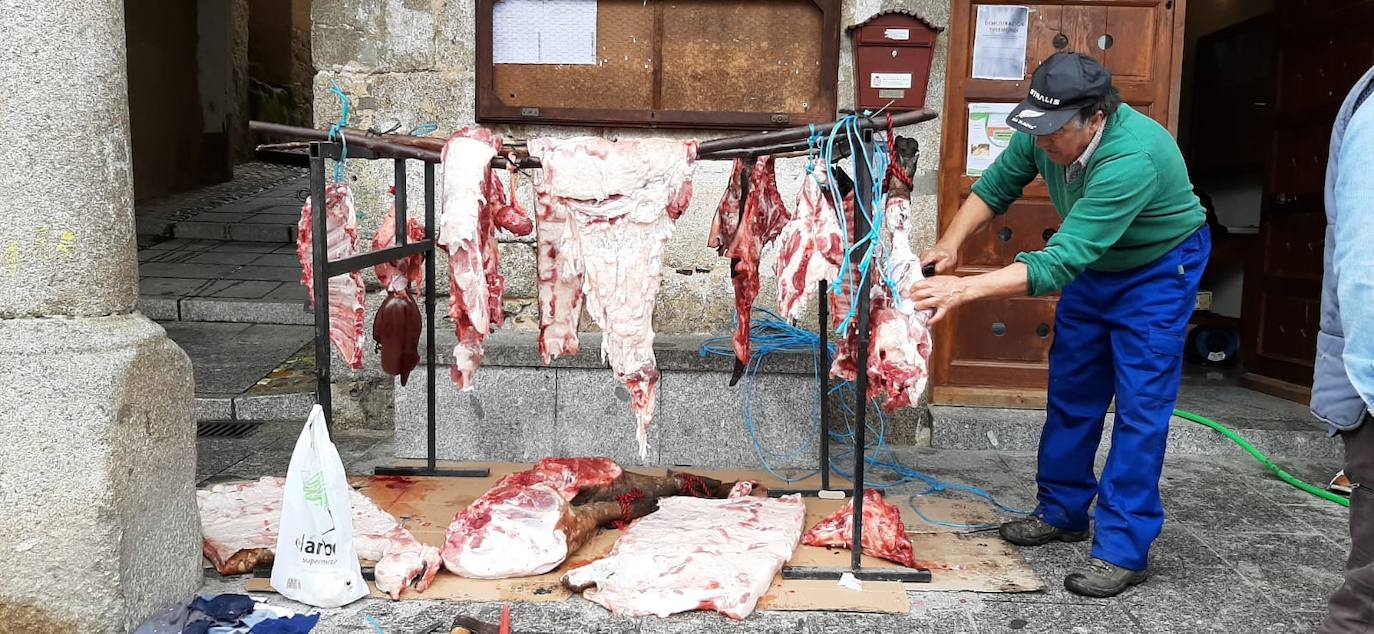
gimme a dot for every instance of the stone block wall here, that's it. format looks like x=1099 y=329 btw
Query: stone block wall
x=413 y=61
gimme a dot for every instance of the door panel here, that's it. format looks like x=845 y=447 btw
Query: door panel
x=1129 y=57
x=972 y=360
x=1323 y=48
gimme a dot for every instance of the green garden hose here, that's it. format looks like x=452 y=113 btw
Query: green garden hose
x=1263 y=459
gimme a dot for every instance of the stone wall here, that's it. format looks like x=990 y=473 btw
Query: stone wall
x=414 y=60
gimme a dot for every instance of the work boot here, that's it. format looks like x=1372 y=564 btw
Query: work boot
x=1034 y=531
x=1102 y=579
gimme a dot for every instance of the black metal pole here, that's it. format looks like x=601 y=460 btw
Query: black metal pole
x=823 y=312
x=864 y=200
x=400 y=184
x=429 y=316
x=319 y=252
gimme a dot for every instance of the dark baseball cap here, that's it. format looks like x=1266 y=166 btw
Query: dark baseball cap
x=1060 y=87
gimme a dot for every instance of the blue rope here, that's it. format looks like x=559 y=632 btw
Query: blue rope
x=337 y=130
x=769 y=333
x=870 y=244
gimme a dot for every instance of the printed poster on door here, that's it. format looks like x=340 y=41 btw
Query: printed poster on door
x=999 y=42
x=988 y=135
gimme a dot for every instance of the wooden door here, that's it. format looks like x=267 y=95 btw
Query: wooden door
x=1324 y=46
x=996 y=353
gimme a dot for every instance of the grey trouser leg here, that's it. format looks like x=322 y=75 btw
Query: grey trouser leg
x=1351 y=608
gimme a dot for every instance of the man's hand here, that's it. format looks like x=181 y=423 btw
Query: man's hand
x=944 y=259
x=940 y=294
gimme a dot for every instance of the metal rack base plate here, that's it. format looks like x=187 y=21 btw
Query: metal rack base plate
x=906 y=575
x=430 y=472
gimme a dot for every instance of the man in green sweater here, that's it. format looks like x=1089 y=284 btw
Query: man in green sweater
x=1127 y=261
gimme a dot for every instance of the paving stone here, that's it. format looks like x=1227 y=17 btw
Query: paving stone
x=214 y=408
x=185 y=270
x=1200 y=599
x=217 y=215
x=245 y=311
x=203 y=230
x=1238 y=511
x=762 y=622
x=265 y=273
x=223 y=257
x=274 y=407
x=1328 y=519
x=229 y=358
x=245 y=247
x=1286 y=567
x=280 y=259
x=247 y=289
x=170 y=286
x=1059 y=618
x=159 y=308
x=262 y=233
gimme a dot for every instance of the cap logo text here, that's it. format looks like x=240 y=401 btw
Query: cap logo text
x=1048 y=100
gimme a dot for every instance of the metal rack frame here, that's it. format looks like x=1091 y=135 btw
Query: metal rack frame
x=325 y=269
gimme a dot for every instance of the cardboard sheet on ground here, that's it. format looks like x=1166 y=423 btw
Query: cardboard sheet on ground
x=979 y=562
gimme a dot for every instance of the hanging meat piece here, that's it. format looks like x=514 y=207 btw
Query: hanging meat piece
x=472 y=194
x=884 y=534
x=607 y=211
x=240 y=521
x=845 y=365
x=695 y=554
x=411 y=267
x=810 y=246
x=528 y=524
x=762 y=221
x=726 y=223
x=347 y=296
x=396 y=327
x=901 y=343
x=512 y=217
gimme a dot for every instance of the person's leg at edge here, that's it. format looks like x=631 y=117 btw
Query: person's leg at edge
x=1351 y=608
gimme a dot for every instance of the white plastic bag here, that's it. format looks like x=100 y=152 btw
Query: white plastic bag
x=315 y=561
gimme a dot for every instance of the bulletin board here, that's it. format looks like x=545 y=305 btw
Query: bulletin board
x=726 y=64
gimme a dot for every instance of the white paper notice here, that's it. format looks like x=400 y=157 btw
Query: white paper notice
x=544 y=32
x=999 y=42
x=988 y=135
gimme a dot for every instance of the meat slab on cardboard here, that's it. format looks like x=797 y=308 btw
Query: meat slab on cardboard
x=695 y=554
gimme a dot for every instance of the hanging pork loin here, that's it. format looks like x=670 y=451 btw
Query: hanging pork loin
x=473 y=207
x=347 y=296
x=607 y=209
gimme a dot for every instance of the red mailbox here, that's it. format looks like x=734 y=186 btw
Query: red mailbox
x=892 y=57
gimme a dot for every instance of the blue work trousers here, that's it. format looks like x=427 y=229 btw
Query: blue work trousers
x=1117 y=334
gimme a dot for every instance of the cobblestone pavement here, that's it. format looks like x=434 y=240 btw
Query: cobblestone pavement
x=1240 y=552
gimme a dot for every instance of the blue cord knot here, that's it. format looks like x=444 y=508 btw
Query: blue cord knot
x=336 y=130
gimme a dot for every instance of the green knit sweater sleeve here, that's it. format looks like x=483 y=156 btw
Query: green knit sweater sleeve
x=1117 y=189
x=1001 y=184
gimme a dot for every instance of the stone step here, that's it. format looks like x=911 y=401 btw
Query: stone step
x=255 y=408
x=232 y=310
x=519 y=410
x=1019 y=430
